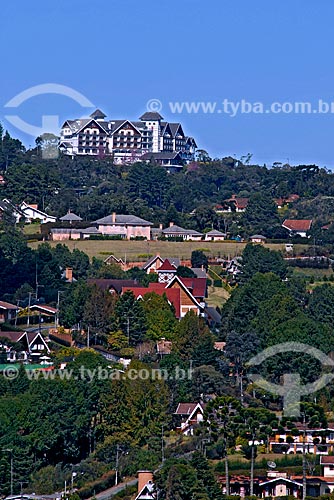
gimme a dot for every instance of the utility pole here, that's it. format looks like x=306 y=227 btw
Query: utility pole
x=304 y=457
x=162 y=444
x=117 y=463
x=29 y=304
x=88 y=337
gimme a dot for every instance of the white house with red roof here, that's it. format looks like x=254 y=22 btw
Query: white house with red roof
x=298 y=226
x=189 y=415
x=8 y=311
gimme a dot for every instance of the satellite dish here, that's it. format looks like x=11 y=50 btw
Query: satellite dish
x=271 y=465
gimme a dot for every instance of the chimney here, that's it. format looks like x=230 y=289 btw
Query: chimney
x=144 y=477
x=171 y=224
x=69 y=274
x=113 y=217
x=161 y=226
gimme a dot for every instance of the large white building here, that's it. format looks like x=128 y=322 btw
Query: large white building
x=125 y=140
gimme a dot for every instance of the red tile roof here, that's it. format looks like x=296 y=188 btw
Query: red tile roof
x=327 y=460
x=166 y=266
x=7 y=305
x=173 y=294
x=297 y=225
x=197 y=286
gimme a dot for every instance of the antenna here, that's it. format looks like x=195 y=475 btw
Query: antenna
x=271 y=465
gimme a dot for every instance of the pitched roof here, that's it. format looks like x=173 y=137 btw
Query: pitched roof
x=173 y=295
x=13 y=336
x=297 y=224
x=197 y=286
x=7 y=305
x=167 y=266
x=98 y=114
x=326 y=460
x=164 y=346
x=151 y=115
x=163 y=155
x=186 y=408
x=214 y=232
x=70 y=216
x=258 y=237
x=121 y=219
x=180 y=230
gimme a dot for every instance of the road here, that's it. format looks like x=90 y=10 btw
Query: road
x=104 y=495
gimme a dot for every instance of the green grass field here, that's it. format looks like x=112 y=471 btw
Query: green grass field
x=139 y=250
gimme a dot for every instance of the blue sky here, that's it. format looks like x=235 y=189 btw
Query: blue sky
x=121 y=53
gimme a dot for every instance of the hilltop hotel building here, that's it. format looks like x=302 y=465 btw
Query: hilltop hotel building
x=148 y=139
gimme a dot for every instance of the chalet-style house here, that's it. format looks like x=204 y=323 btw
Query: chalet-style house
x=146 y=488
x=127 y=141
x=233 y=204
x=112 y=285
x=185 y=294
x=189 y=415
x=298 y=226
x=32 y=345
x=154 y=263
x=31 y=212
x=283 y=201
x=125 y=226
x=8 y=311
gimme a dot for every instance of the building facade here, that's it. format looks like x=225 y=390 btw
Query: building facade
x=127 y=141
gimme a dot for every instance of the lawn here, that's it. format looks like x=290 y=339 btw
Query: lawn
x=140 y=250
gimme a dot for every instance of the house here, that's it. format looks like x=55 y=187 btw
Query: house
x=318 y=441
x=173 y=296
x=327 y=464
x=257 y=238
x=189 y=415
x=31 y=212
x=7 y=208
x=214 y=235
x=174 y=231
x=32 y=342
x=165 y=159
x=154 y=263
x=164 y=347
x=185 y=294
x=233 y=204
x=62 y=234
x=70 y=217
x=8 y=311
x=126 y=226
x=166 y=272
x=127 y=141
x=146 y=488
x=298 y=226
x=281 y=202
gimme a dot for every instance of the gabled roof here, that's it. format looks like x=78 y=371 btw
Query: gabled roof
x=43 y=308
x=24 y=206
x=151 y=116
x=176 y=128
x=172 y=294
x=258 y=237
x=13 y=336
x=70 y=217
x=197 y=286
x=7 y=305
x=177 y=279
x=180 y=230
x=147 y=492
x=163 y=155
x=188 y=408
x=120 y=124
x=324 y=460
x=167 y=266
x=151 y=261
x=297 y=224
x=131 y=220
x=98 y=114
x=215 y=232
